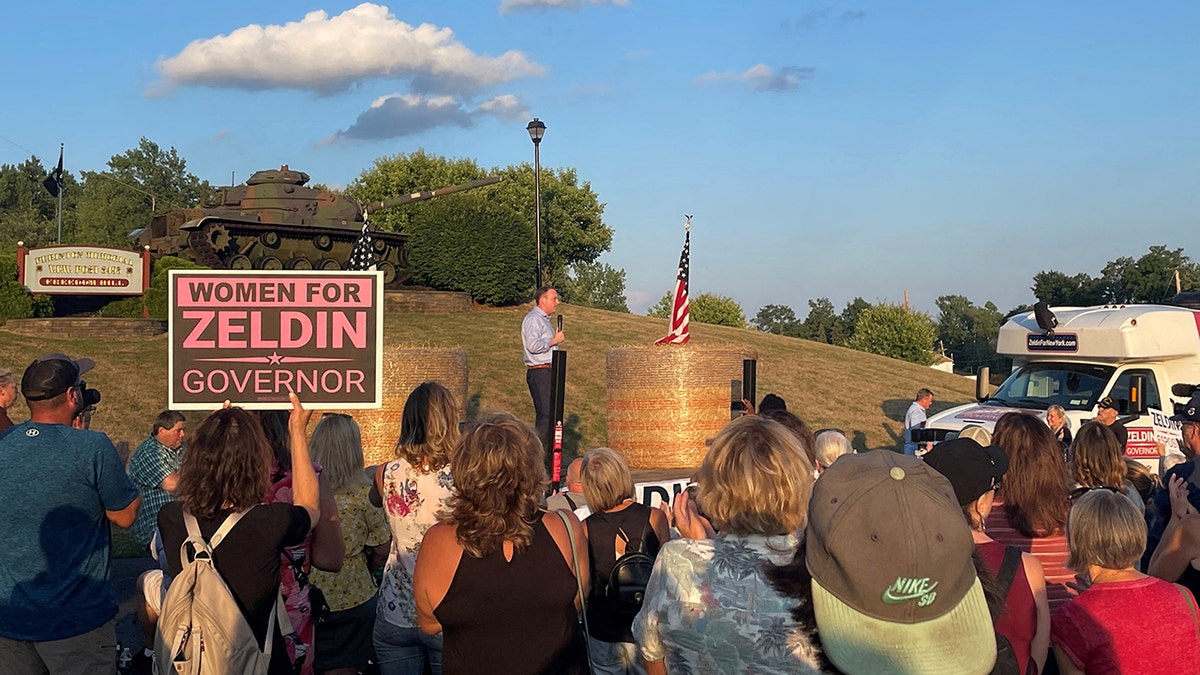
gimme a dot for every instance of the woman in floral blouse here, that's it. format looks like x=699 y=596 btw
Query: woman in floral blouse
x=343 y=641
x=709 y=606
x=414 y=486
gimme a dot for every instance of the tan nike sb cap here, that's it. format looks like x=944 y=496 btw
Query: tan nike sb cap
x=894 y=585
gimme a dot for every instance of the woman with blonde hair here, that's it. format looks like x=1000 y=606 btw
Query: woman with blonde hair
x=617 y=524
x=1097 y=461
x=415 y=487
x=343 y=640
x=1030 y=508
x=497 y=574
x=754 y=485
x=1104 y=629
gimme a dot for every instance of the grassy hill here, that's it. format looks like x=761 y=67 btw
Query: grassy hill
x=863 y=394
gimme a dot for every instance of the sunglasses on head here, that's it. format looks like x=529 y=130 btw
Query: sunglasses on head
x=1081 y=491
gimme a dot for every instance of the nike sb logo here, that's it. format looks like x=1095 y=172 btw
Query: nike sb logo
x=904 y=589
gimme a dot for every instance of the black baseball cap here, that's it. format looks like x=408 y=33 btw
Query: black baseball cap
x=53 y=374
x=1108 y=402
x=970 y=467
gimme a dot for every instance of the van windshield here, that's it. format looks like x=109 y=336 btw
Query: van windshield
x=1074 y=386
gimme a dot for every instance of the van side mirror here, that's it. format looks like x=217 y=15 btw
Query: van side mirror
x=983 y=383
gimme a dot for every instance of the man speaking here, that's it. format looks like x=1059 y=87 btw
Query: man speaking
x=539 y=340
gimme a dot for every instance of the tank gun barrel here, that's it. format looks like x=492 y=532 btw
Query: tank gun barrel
x=423 y=195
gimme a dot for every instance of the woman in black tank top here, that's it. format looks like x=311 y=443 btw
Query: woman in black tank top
x=615 y=518
x=496 y=576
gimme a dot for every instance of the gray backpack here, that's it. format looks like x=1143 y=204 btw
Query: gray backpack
x=201 y=630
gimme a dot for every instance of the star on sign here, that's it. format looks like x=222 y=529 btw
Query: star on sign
x=274 y=358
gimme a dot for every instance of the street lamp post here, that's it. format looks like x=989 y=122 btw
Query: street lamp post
x=536 y=130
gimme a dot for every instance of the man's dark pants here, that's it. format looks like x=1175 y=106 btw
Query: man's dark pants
x=540 y=382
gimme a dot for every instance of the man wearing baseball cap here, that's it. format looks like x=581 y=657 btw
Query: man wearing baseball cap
x=893 y=581
x=1188 y=416
x=1107 y=412
x=63 y=486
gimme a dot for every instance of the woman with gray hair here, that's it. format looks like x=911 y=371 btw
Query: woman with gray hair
x=828 y=446
x=1103 y=630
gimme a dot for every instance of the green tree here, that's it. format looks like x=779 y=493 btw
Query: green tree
x=890 y=330
x=969 y=332
x=705 y=308
x=138 y=182
x=777 y=319
x=1150 y=278
x=849 y=316
x=572 y=228
x=596 y=285
x=1058 y=289
x=28 y=212
x=821 y=323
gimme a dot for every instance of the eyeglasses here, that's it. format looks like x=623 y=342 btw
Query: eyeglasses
x=1081 y=491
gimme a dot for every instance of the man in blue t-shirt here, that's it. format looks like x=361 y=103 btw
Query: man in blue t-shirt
x=63 y=486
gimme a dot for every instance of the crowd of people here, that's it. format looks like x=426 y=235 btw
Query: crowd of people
x=1026 y=549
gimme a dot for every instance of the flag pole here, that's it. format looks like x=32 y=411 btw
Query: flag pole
x=60 y=190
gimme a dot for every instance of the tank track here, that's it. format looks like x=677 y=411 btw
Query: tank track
x=222 y=243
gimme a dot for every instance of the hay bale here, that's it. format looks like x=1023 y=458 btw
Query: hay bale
x=404 y=368
x=664 y=402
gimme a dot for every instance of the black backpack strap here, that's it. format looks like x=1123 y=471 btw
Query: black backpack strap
x=1004 y=578
x=567 y=496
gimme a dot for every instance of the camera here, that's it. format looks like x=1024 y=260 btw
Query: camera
x=90 y=397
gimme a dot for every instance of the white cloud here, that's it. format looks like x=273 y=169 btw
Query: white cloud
x=508 y=6
x=398 y=115
x=328 y=55
x=505 y=107
x=762 y=77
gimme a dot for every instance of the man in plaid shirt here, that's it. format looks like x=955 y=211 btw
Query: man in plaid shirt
x=154 y=467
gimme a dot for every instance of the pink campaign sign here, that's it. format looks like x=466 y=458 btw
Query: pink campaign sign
x=252 y=337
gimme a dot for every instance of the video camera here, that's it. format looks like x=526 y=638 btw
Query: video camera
x=1183 y=390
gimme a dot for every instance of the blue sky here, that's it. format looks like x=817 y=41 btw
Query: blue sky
x=826 y=149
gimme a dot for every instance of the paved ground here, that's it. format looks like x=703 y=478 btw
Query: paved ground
x=125 y=572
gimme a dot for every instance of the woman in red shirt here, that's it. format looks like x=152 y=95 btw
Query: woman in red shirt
x=1125 y=622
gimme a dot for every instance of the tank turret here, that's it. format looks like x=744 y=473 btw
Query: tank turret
x=274 y=222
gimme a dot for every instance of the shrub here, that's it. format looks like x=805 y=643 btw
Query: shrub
x=15 y=301
x=156 y=293
x=479 y=247
x=704 y=308
x=892 y=331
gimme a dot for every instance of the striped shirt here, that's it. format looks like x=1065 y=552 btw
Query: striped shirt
x=1051 y=551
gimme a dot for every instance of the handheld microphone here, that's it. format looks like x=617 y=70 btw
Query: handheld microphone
x=560 y=323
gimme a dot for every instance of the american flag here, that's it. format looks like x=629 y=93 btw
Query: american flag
x=679 y=303
x=362 y=258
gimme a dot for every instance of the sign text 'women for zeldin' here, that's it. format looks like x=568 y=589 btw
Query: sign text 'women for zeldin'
x=253 y=337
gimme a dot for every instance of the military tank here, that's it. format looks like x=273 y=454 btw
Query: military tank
x=274 y=222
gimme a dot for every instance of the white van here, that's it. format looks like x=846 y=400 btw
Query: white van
x=1133 y=353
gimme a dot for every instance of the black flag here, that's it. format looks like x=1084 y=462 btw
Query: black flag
x=54 y=181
